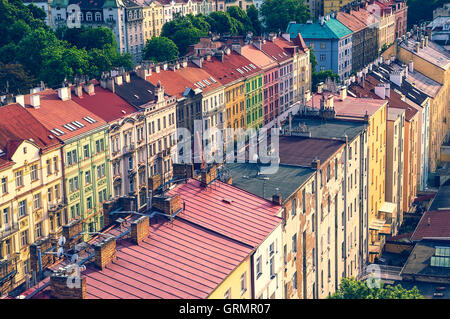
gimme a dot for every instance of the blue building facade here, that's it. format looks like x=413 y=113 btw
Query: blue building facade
x=331 y=42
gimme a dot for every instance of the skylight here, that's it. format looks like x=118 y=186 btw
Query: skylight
x=212 y=79
x=90 y=119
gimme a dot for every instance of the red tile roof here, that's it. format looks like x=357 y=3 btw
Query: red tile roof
x=433 y=224
x=226 y=72
x=54 y=113
x=258 y=57
x=105 y=104
x=18 y=125
x=248 y=219
x=302 y=151
x=350 y=21
x=275 y=52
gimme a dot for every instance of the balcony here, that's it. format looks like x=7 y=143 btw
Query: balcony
x=54 y=207
x=9 y=230
x=8 y=268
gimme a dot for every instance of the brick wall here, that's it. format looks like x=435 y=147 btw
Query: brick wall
x=140 y=229
x=167 y=205
x=70 y=231
x=105 y=252
x=46 y=259
x=60 y=289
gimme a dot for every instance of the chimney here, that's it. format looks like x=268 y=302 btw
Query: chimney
x=154 y=182
x=208 y=175
x=78 y=90
x=89 y=88
x=35 y=101
x=127 y=77
x=184 y=63
x=208 y=57
x=237 y=48
x=167 y=205
x=105 y=252
x=165 y=66
x=64 y=93
x=411 y=66
x=343 y=93
x=425 y=41
x=315 y=164
x=276 y=199
x=396 y=77
x=110 y=85
x=320 y=88
x=286 y=36
x=157 y=69
x=21 y=100
x=380 y=91
x=46 y=260
x=416 y=47
x=422 y=43
x=308 y=95
x=227 y=51
x=118 y=80
x=183 y=170
x=258 y=44
x=71 y=231
x=59 y=286
x=198 y=61
x=140 y=229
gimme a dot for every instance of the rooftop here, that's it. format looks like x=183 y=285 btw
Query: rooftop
x=328 y=128
x=351 y=106
x=137 y=92
x=105 y=104
x=331 y=29
x=302 y=151
x=18 y=125
x=442 y=198
x=432 y=53
x=258 y=57
x=229 y=211
x=350 y=21
x=288 y=179
x=274 y=51
x=65 y=119
x=419 y=261
x=433 y=224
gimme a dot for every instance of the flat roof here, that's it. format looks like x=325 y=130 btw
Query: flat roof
x=302 y=151
x=328 y=128
x=442 y=198
x=432 y=53
x=288 y=179
x=419 y=261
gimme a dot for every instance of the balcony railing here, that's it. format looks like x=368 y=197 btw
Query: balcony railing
x=9 y=230
x=128 y=148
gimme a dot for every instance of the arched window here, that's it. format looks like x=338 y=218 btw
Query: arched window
x=89 y=16
x=98 y=16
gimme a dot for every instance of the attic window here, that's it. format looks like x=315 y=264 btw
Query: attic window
x=213 y=80
x=50 y=137
x=77 y=124
x=124 y=112
x=227 y=200
x=89 y=119
x=253 y=67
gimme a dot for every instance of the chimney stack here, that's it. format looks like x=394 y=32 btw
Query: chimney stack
x=316 y=164
x=411 y=66
x=105 y=252
x=140 y=229
x=208 y=175
x=71 y=231
x=64 y=93
x=343 y=93
x=35 y=101
x=118 y=80
x=320 y=88
x=276 y=199
x=60 y=290
x=167 y=205
x=89 y=88
x=78 y=90
x=21 y=100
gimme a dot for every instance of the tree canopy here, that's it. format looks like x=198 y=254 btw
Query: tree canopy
x=351 y=288
x=40 y=54
x=278 y=13
x=160 y=49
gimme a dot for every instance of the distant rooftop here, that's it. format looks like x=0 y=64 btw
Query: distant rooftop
x=331 y=29
x=432 y=53
x=288 y=179
x=137 y=92
x=328 y=128
x=433 y=224
x=302 y=151
x=442 y=198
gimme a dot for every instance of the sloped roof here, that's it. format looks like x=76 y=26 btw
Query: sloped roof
x=258 y=57
x=350 y=21
x=331 y=29
x=435 y=224
x=248 y=219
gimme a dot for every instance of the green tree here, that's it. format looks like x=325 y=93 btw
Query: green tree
x=221 y=23
x=241 y=16
x=322 y=76
x=253 y=15
x=186 y=37
x=351 y=288
x=278 y=13
x=14 y=79
x=160 y=49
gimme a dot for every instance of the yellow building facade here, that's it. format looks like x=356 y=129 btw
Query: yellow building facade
x=237 y=285
x=153 y=20
x=31 y=186
x=334 y=5
x=235 y=105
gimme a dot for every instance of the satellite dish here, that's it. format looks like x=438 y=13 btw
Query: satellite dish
x=74 y=258
x=60 y=252
x=61 y=241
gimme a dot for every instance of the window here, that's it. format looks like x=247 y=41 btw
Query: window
x=34 y=172
x=4 y=185
x=37 y=201
x=243 y=283
x=55 y=164
x=24 y=238
x=100 y=171
x=86 y=151
x=57 y=194
x=87 y=178
x=49 y=166
x=258 y=266
x=294 y=243
x=227 y=294
x=272 y=267
x=89 y=203
x=38 y=230
x=22 y=208
x=19 y=178
x=6 y=216
x=294 y=281
x=294 y=207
